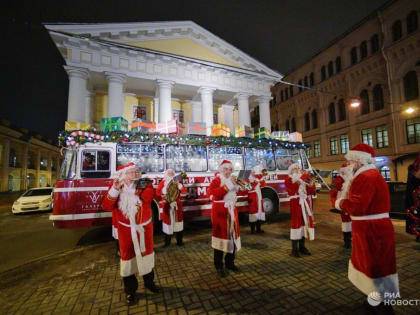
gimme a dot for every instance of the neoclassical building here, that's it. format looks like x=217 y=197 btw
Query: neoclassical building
x=377 y=62
x=160 y=71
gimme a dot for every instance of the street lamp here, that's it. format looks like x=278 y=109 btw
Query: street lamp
x=355 y=102
x=410 y=110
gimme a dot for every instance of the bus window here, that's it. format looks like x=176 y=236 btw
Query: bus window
x=148 y=157
x=189 y=158
x=263 y=157
x=218 y=154
x=68 y=168
x=95 y=164
x=285 y=157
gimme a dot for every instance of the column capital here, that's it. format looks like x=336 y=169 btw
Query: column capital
x=76 y=72
x=228 y=107
x=242 y=96
x=165 y=83
x=206 y=90
x=115 y=77
x=264 y=98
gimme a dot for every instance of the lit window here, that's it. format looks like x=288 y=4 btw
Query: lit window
x=317 y=148
x=413 y=131
x=386 y=173
x=333 y=145
x=344 y=143
x=382 y=137
x=367 y=136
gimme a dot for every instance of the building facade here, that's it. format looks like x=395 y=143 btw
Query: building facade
x=376 y=62
x=26 y=161
x=160 y=71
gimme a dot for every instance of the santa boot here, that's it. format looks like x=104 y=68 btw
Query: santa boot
x=302 y=248
x=252 y=227
x=179 y=241
x=347 y=239
x=167 y=240
x=259 y=230
x=295 y=251
x=149 y=282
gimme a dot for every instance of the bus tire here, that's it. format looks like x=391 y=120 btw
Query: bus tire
x=271 y=203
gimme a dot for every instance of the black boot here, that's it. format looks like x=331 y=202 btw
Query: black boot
x=167 y=240
x=218 y=263
x=230 y=261
x=130 y=287
x=252 y=227
x=149 y=282
x=179 y=241
x=302 y=248
x=295 y=251
x=259 y=227
x=347 y=239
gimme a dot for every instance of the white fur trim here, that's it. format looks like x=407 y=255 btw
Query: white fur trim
x=113 y=193
x=346 y=226
x=296 y=234
x=360 y=156
x=125 y=169
x=387 y=284
x=129 y=267
x=337 y=204
x=177 y=227
x=225 y=245
x=292 y=167
x=253 y=217
x=114 y=232
x=311 y=232
x=222 y=166
x=364 y=169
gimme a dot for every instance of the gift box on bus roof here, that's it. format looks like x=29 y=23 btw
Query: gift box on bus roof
x=72 y=125
x=295 y=137
x=280 y=135
x=260 y=133
x=244 y=131
x=114 y=124
x=220 y=130
x=196 y=128
x=170 y=126
x=142 y=125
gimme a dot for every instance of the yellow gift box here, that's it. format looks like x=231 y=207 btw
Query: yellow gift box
x=71 y=125
x=220 y=130
x=244 y=131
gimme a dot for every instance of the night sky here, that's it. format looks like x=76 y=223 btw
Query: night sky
x=280 y=33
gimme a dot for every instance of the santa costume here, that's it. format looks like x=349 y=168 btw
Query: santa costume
x=224 y=217
x=301 y=216
x=255 y=200
x=342 y=184
x=133 y=214
x=171 y=213
x=372 y=267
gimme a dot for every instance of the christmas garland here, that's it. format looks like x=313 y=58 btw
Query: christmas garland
x=78 y=137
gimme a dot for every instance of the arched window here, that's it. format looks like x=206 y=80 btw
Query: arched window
x=293 y=124
x=323 y=73
x=364 y=96
x=307 y=122
x=338 y=64
x=386 y=173
x=412 y=22
x=411 y=88
x=300 y=88
x=374 y=43
x=311 y=79
x=341 y=110
x=396 y=30
x=314 y=119
x=330 y=69
x=287 y=125
x=331 y=113
x=353 y=56
x=363 y=50
x=305 y=81
x=291 y=90
x=281 y=96
x=378 y=97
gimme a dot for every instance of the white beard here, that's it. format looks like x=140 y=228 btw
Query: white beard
x=129 y=202
x=295 y=177
x=252 y=178
x=167 y=179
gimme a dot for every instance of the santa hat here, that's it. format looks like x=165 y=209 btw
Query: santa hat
x=257 y=169
x=362 y=153
x=292 y=167
x=124 y=168
x=224 y=164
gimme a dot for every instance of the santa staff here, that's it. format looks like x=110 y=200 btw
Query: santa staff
x=224 y=217
x=300 y=187
x=372 y=267
x=132 y=210
x=171 y=210
x=255 y=200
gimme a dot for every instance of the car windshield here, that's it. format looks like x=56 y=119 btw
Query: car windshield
x=38 y=192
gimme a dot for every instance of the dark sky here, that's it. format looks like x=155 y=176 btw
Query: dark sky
x=280 y=33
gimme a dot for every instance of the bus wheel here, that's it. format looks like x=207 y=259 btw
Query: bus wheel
x=271 y=203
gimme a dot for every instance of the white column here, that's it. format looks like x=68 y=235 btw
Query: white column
x=228 y=117
x=156 y=109
x=196 y=112
x=165 y=104
x=264 y=104
x=77 y=91
x=115 y=94
x=243 y=107
x=207 y=107
x=88 y=107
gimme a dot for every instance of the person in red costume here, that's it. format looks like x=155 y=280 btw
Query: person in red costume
x=300 y=188
x=342 y=184
x=132 y=209
x=256 y=204
x=372 y=267
x=171 y=214
x=224 y=217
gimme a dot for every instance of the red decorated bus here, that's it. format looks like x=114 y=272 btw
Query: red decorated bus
x=88 y=170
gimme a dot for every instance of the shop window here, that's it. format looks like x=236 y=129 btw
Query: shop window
x=386 y=173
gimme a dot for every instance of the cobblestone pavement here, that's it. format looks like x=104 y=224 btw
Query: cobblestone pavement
x=87 y=280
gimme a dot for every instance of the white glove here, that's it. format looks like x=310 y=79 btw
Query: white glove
x=179 y=186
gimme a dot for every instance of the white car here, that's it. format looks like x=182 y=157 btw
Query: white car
x=35 y=199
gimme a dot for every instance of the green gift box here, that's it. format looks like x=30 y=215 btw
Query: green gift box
x=114 y=124
x=260 y=133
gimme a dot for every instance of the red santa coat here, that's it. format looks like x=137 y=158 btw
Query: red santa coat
x=224 y=217
x=135 y=235
x=301 y=215
x=172 y=217
x=255 y=200
x=334 y=194
x=372 y=267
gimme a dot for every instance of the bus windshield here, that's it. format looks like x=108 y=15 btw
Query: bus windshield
x=218 y=154
x=189 y=158
x=285 y=157
x=68 y=168
x=148 y=157
x=263 y=157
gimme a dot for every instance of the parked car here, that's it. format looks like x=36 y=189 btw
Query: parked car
x=397 y=191
x=35 y=199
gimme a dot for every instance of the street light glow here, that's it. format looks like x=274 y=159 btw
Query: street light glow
x=355 y=103
x=410 y=110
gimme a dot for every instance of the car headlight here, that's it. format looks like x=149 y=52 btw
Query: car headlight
x=46 y=200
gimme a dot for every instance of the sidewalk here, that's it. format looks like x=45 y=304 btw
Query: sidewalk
x=87 y=280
